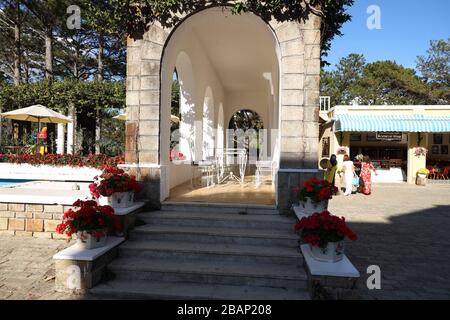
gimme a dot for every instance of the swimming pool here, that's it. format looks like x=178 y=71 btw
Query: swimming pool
x=9 y=182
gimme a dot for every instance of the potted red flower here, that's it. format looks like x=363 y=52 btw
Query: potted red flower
x=325 y=234
x=314 y=196
x=90 y=222
x=114 y=187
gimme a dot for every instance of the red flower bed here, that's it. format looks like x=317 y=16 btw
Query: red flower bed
x=321 y=228
x=95 y=160
x=315 y=189
x=90 y=217
x=113 y=180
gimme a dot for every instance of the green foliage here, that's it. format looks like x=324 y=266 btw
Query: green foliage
x=381 y=82
x=90 y=99
x=435 y=68
x=137 y=15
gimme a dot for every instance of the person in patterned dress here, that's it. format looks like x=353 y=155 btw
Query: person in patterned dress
x=366 y=175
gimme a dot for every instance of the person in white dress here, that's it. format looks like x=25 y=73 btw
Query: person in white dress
x=349 y=173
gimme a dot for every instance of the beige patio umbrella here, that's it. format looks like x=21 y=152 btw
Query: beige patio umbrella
x=37 y=113
x=123 y=117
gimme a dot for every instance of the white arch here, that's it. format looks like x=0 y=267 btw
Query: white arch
x=208 y=124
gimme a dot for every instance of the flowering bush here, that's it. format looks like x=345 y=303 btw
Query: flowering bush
x=316 y=190
x=95 y=160
x=420 y=151
x=113 y=180
x=321 y=228
x=90 y=217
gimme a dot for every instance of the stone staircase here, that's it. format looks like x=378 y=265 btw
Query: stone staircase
x=194 y=251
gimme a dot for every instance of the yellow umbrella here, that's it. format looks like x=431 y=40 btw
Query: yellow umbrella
x=174 y=119
x=123 y=117
x=37 y=113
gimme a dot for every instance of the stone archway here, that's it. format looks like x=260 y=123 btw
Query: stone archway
x=296 y=99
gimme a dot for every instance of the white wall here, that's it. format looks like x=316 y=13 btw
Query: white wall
x=194 y=88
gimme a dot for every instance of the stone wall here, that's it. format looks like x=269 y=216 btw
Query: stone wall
x=31 y=220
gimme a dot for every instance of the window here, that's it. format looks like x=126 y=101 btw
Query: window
x=437 y=138
x=434 y=149
x=444 y=149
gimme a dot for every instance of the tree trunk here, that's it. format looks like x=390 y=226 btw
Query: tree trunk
x=100 y=66
x=49 y=55
x=17 y=45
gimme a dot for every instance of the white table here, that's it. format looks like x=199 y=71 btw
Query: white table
x=225 y=158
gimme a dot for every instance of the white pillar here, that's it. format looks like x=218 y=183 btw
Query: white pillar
x=60 y=139
x=70 y=138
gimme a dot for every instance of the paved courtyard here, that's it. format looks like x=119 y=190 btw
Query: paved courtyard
x=27 y=269
x=405 y=230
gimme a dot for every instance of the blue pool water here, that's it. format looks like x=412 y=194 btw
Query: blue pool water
x=9 y=182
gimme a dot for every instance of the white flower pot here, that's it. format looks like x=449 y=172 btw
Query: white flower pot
x=86 y=241
x=309 y=207
x=333 y=252
x=421 y=179
x=118 y=200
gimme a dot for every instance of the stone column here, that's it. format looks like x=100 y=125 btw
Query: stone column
x=299 y=110
x=60 y=139
x=415 y=162
x=70 y=133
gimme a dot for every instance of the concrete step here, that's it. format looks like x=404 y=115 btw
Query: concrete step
x=219 y=220
x=210 y=272
x=185 y=251
x=263 y=237
x=188 y=291
x=218 y=207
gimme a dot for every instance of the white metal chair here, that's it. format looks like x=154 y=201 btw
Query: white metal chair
x=264 y=169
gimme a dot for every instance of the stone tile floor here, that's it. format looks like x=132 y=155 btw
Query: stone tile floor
x=27 y=268
x=404 y=229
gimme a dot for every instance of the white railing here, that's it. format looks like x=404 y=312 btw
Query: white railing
x=325 y=103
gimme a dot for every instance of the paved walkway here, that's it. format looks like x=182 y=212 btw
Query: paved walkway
x=405 y=230
x=27 y=268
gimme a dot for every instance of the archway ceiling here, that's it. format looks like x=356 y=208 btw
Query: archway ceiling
x=240 y=48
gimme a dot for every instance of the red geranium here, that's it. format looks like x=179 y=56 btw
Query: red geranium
x=90 y=217
x=315 y=189
x=95 y=160
x=113 y=180
x=321 y=228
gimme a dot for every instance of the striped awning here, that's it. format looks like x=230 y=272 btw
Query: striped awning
x=391 y=123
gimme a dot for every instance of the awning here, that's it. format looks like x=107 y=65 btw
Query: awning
x=391 y=123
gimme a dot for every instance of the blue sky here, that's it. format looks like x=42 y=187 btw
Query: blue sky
x=407 y=26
